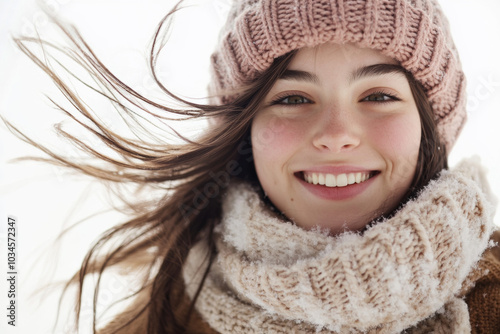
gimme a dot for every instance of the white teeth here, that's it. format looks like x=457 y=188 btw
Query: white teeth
x=330 y=180
x=321 y=179
x=340 y=180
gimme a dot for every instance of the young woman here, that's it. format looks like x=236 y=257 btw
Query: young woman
x=319 y=200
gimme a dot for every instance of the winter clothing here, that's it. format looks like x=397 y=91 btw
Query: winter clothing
x=408 y=272
x=413 y=32
x=432 y=267
x=484 y=298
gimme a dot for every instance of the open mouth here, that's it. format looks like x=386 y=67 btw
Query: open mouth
x=332 y=180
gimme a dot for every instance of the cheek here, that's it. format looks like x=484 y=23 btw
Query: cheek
x=273 y=140
x=399 y=142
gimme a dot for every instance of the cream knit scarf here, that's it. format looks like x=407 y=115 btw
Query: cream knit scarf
x=406 y=272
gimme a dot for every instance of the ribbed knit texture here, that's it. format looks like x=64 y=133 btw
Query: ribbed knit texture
x=484 y=299
x=413 y=32
x=403 y=273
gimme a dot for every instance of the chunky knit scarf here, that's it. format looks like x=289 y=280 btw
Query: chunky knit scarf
x=403 y=273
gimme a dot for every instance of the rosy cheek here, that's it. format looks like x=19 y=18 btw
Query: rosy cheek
x=273 y=137
x=399 y=141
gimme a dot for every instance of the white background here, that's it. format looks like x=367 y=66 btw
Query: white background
x=45 y=199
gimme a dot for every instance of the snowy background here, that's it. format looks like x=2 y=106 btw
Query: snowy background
x=45 y=199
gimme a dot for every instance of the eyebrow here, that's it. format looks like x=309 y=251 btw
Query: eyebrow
x=362 y=72
x=299 y=76
x=377 y=69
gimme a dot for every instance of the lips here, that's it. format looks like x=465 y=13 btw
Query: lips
x=339 y=180
x=336 y=179
x=337 y=183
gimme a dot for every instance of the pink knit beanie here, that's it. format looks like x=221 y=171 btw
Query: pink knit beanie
x=413 y=32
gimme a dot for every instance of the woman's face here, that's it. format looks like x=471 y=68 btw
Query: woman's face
x=337 y=138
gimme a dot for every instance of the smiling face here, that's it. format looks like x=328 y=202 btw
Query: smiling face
x=336 y=140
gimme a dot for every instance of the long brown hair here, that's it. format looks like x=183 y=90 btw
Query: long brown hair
x=193 y=175
x=432 y=155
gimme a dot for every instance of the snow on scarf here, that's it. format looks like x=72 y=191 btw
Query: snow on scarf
x=271 y=276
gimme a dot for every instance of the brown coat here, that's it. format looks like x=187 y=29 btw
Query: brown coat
x=483 y=299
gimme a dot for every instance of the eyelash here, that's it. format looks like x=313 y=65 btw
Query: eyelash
x=392 y=98
x=279 y=99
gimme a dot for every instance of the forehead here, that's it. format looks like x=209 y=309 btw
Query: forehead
x=331 y=57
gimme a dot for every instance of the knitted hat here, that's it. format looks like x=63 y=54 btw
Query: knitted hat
x=413 y=32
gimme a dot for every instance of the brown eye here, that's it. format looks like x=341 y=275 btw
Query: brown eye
x=380 y=97
x=377 y=97
x=294 y=99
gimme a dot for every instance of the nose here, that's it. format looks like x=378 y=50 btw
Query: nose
x=337 y=131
